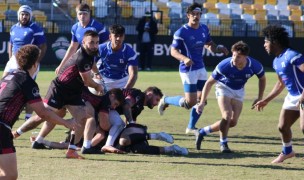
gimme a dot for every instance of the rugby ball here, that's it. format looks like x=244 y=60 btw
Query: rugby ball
x=101 y=83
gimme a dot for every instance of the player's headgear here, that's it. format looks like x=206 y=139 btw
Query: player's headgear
x=25 y=8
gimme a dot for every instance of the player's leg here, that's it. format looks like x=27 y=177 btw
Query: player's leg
x=8 y=162
x=8 y=166
x=189 y=81
x=286 y=120
x=225 y=106
x=46 y=128
x=289 y=114
x=117 y=125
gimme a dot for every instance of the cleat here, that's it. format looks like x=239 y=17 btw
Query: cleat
x=198 y=140
x=15 y=134
x=282 y=157
x=37 y=145
x=162 y=136
x=191 y=131
x=72 y=154
x=225 y=149
x=162 y=105
x=91 y=150
x=177 y=150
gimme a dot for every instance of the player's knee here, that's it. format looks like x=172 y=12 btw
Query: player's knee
x=124 y=142
x=188 y=104
x=283 y=129
x=232 y=123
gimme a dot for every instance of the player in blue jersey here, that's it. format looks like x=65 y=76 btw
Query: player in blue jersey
x=22 y=33
x=187 y=47
x=289 y=66
x=85 y=22
x=118 y=63
x=16 y=89
x=230 y=76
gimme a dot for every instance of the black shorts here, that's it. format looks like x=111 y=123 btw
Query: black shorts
x=58 y=98
x=6 y=140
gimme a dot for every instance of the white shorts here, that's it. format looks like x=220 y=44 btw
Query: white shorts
x=192 y=77
x=115 y=83
x=290 y=102
x=12 y=65
x=223 y=90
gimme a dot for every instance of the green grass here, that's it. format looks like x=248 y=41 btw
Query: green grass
x=255 y=141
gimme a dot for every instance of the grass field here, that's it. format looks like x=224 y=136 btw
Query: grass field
x=255 y=141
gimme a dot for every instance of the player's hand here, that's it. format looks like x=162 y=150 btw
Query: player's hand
x=71 y=124
x=57 y=69
x=223 y=49
x=259 y=105
x=188 y=62
x=200 y=108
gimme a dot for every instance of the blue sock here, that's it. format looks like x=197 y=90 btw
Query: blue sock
x=287 y=150
x=173 y=100
x=224 y=142
x=205 y=131
x=194 y=117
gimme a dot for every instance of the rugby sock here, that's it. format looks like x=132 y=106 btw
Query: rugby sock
x=224 y=141
x=205 y=131
x=287 y=148
x=174 y=100
x=72 y=141
x=87 y=144
x=194 y=117
x=39 y=139
x=113 y=134
x=137 y=137
x=153 y=136
x=27 y=116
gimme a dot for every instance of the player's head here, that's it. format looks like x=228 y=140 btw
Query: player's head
x=90 y=42
x=276 y=39
x=116 y=97
x=241 y=48
x=117 y=35
x=83 y=13
x=27 y=56
x=194 y=12
x=24 y=14
x=153 y=95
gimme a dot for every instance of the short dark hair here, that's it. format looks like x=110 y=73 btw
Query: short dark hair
x=241 y=47
x=277 y=33
x=90 y=33
x=118 y=94
x=117 y=29
x=155 y=90
x=193 y=6
x=27 y=56
x=83 y=7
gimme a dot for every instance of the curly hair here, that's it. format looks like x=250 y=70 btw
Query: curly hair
x=278 y=34
x=27 y=56
x=117 y=29
x=193 y=6
x=241 y=47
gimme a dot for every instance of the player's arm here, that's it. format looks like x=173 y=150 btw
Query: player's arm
x=133 y=74
x=71 y=50
x=207 y=87
x=276 y=90
x=301 y=67
x=10 y=50
x=42 y=48
x=50 y=116
x=128 y=111
x=180 y=57
x=212 y=47
x=262 y=85
x=89 y=82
